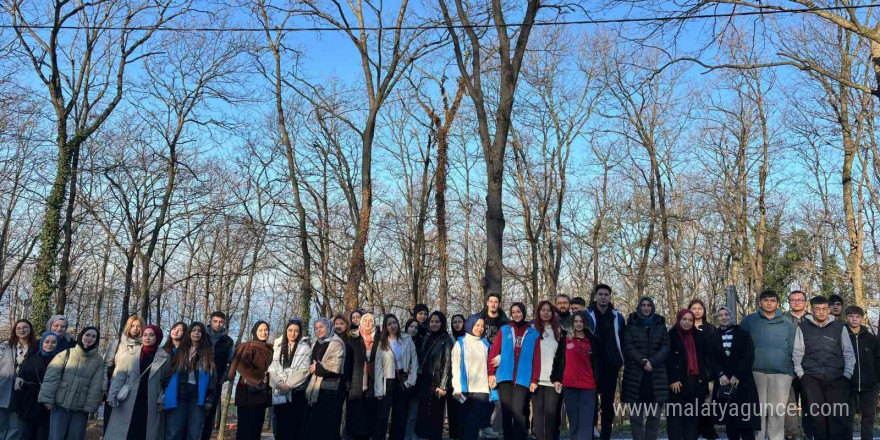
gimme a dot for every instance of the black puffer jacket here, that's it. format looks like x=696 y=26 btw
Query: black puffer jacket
x=435 y=355
x=650 y=343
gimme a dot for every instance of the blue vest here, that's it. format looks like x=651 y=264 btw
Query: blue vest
x=526 y=355
x=493 y=394
x=170 y=399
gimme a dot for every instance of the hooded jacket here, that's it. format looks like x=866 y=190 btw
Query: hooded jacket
x=823 y=350
x=774 y=342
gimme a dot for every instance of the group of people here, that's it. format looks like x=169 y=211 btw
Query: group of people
x=474 y=375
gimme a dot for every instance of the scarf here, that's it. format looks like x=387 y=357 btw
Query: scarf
x=151 y=350
x=330 y=331
x=470 y=323
x=458 y=333
x=690 y=347
x=724 y=327
x=214 y=336
x=647 y=321
x=42 y=339
x=368 y=336
x=433 y=336
x=79 y=340
x=351 y=315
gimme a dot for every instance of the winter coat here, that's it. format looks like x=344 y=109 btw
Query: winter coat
x=774 y=342
x=866 y=347
x=738 y=363
x=362 y=366
x=74 y=380
x=7 y=372
x=823 y=351
x=650 y=343
x=251 y=362
x=129 y=371
x=613 y=348
x=32 y=371
x=329 y=368
x=677 y=366
x=386 y=366
x=436 y=364
x=296 y=376
x=118 y=352
x=224 y=351
x=206 y=384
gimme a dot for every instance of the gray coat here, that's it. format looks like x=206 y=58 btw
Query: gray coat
x=7 y=373
x=128 y=371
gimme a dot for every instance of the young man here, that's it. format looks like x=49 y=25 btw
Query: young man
x=608 y=324
x=866 y=374
x=797 y=310
x=224 y=351
x=773 y=337
x=563 y=303
x=835 y=302
x=578 y=304
x=824 y=361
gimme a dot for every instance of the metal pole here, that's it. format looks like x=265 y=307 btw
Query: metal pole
x=731 y=301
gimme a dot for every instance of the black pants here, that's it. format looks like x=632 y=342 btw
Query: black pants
x=821 y=395
x=250 y=422
x=606 y=391
x=681 y=420
x=513 y=418
x=211 y=414
x=290 y=417
x=473 y=411
x=734 y=433
x=865 y=401
x=38 y=430
x=396 y=404
x=548 y=404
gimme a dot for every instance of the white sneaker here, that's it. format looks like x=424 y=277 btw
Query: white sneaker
x=488 y=432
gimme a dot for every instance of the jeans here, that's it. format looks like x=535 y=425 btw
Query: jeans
x=67 y=425
x=821 y=395
x=250 y=422
x=8 y=425
x=185 y=421
x=513 y=422
x=546 y=417
x=581 y=406
x=865 y=401
x=773 y=389
x=473 y=411
x=645 y=423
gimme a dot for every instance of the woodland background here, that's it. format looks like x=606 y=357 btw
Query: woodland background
x=275 y=158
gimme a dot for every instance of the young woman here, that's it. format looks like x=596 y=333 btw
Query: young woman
x=732 y=355
x=175 y=337
x=412 y=327
x=470 y=378
x=119 y=352
x=33 y=416
x=360 y=414
x=326 y=386
x=13 y=353
x=190 y=391
x=355 y=319
x=289 y=375
x=646 y=347
x=701 y=323
x=547 y=400
x=73 y=387
x=58 y=324
x=396 y=369
x=453 y=406
x=687 y=371
x=252 y=395
x=434 y=378
x=575 y=371
x=514 y=367
x=136 y=414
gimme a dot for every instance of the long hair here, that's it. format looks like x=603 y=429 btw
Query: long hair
x=31 y=339
x=383 y=337
x=129 y=322
x=583 y=317
x=285 y=347
x=204 y=358
x=554 y=319
x=169 y=344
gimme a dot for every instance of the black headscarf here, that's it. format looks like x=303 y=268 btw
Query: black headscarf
x=432 y=337
x=457 y=333
x=351 y=324
x=254 y=330
x=524 y=322
x=80 y=339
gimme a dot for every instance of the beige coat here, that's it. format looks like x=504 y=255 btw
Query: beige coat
x=79 y=385
x=128 y=370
